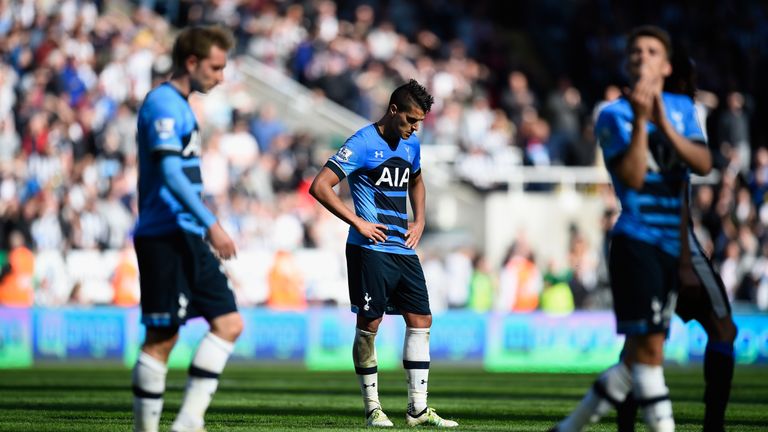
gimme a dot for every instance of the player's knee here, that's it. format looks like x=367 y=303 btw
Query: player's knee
x=159 y=342
x=649 y=349
x=724 y=330
x=368 y=324
x=418 y=321
x=229 y=327
x=235 y=327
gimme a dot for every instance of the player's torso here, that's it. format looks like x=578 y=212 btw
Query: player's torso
x=380 y=190
x=653 y=213
x=159 y=210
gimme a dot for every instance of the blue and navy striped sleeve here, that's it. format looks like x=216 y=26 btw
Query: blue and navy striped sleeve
x=178 y=183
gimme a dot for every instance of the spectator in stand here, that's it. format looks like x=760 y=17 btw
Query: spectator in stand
x=16 y=277
x=733 y=126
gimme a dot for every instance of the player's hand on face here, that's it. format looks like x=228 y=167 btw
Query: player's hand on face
x=659 y=114
x=641 y=97
x=413 y=235
x=643 y=94
x=221 y=242
x=372 y=231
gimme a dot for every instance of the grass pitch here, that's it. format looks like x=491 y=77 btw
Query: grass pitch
x=282 y=398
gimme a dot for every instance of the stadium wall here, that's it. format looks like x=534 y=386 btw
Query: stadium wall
x=321 y=338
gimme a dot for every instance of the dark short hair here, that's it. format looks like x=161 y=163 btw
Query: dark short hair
x=650 y=31
x=412 y=94
x=684 y=76
x=197 y=41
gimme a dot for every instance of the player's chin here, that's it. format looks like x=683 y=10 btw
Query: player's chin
x=208 y=88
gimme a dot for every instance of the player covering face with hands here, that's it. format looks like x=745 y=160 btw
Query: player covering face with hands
x=701 y=296
x=651 y=142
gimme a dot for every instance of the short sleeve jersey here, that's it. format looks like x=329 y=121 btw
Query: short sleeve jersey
x=653 y=213
x=166 y=126
x=378 y=177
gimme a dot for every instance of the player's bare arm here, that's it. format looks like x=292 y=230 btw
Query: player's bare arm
x=322 y=190
x=633 y=165
x=417 y=194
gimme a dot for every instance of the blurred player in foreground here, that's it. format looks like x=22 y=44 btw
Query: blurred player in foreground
x=651 y=142
x=176 y=237
x=702 y=296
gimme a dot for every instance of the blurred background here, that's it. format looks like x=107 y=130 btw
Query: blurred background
x=519 y=203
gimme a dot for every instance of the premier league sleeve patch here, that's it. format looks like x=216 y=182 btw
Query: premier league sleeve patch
x=164 y=127
x=344 y=154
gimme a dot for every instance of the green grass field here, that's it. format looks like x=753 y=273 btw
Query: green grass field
x=281 y=398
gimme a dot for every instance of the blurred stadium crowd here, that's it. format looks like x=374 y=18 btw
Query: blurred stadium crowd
x=514 y=84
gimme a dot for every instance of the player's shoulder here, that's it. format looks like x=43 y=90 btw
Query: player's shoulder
x=677 y=100
x=163 y=98
x=617 y=108
x=362 y=137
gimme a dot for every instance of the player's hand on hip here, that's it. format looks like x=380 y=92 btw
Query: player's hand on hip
x=221 y=242
x=413 y=235
x=372 y=231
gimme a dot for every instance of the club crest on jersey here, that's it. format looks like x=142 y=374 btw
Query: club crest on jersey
x=165 y=127
x=344 y=154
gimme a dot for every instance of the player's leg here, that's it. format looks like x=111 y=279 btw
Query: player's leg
x=646 y=353
x=718 y=369
x=148 y=378
x=368 y=297
x=212 y=298
x=416 y=360
x=207 y=365
x=703 y=298
x=639 y=280
x=412 y=300
x=366 y=368
x=626 y=413
x=163 y=286
x=608 y=390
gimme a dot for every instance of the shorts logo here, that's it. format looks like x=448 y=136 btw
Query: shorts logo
x=669 y=308
x=164 y=128
x=344 y=154
x=367 y=299
x=378 y=153
x=183 y=302
x=656 y=308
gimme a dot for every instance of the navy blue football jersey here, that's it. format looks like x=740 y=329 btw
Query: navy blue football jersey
x=378 y=177
x=166 y=125
x=653 y=213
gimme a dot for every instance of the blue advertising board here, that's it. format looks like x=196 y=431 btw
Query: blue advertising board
x=322 y=338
